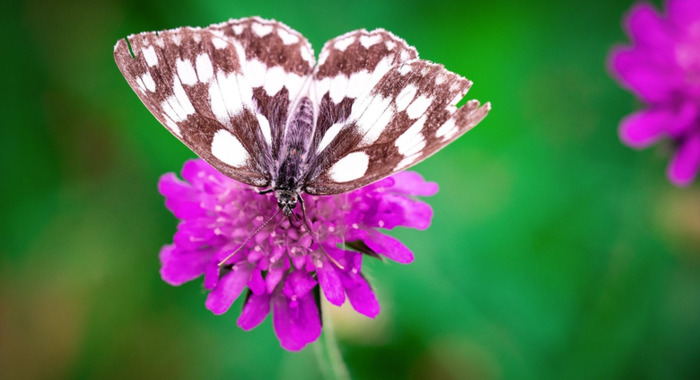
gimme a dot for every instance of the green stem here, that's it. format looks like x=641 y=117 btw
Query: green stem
x=327 y=352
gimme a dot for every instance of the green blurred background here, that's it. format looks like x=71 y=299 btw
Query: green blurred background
x=555 y=251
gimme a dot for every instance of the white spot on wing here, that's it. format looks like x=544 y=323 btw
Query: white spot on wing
x=238 y=29
x=225 y=97
x=374 y=119
x=245 y=91
x=367 y=112
x=322 y=86
x=182 y=97
x=139 y=82
x=350 y=167
x=255 y=72
x=173 y=109
x=329 y=136
x=218 y=107
x=177 y=39
x=274 y=80
x=218 y=42
x=287 y=37
x=404 y=98
x=324 y=55
x=344 y=43
x=293 y=83
x=205 y=71
x=411 y=140
x=265 y=128
x=368 y=41
x=418 y=107
x=382 y=68
x=306 y=55
x=447 y=130
x=186 y=72
x=357 y=83
x=408 y=161
x=404 y=69
x=337 y=89
x=226 y=147
x=173 y=127
x=261 y=30
x=390 y=45
x=147 y=80
x=149 y=54
x=178 y=106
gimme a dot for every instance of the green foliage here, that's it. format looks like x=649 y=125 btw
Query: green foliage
x=555 y=251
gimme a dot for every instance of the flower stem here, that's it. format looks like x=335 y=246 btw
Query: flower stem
x=327 y=351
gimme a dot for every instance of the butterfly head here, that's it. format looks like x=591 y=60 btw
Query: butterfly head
x=287 y=201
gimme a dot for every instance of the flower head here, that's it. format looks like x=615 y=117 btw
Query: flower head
x=281 y=265
x=662 y=67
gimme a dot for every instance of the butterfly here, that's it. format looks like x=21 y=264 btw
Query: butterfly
x=248 y=97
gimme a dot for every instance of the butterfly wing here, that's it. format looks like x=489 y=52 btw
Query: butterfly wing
x=225 y=91
x=381 y=110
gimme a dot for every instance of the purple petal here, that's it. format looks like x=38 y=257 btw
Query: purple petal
x=275 y=274
x=684 y=13
x=395 y=210
x=199 y=173
x=211 y=275
x=644 y=128
x=178 y=267
x=389 y=247
x=256 y=284
x=330 y=283
x=646 y=27
x=256 y=308
x=412 y=183
x=180 y=198
x=684 y=166
x=296 y=323
x=299 y=283
x=228 y=289
x=360 y=295
x=634 y=69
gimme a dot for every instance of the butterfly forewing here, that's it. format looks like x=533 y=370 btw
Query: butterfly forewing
x=405 y=113
x=246 y=96
x=225 y=91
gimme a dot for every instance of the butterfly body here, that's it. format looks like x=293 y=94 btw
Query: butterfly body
x=295 y=148
x=248 y=97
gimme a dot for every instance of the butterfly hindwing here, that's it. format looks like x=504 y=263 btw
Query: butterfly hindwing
x=225 y=90
x=405 y=115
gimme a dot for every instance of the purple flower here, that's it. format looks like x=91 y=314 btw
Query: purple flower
x=281 y=265
x=662 y=67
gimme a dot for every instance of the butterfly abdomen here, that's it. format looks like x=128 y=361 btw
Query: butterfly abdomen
x=295 y=146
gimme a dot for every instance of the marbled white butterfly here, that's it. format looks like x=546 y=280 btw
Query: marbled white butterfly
x=247 y=96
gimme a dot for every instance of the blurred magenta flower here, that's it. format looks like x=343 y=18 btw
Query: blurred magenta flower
x=662 y=67
x=281 y=265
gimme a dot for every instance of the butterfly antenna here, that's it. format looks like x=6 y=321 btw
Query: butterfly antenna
x=308 y=228
x=222 y=262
